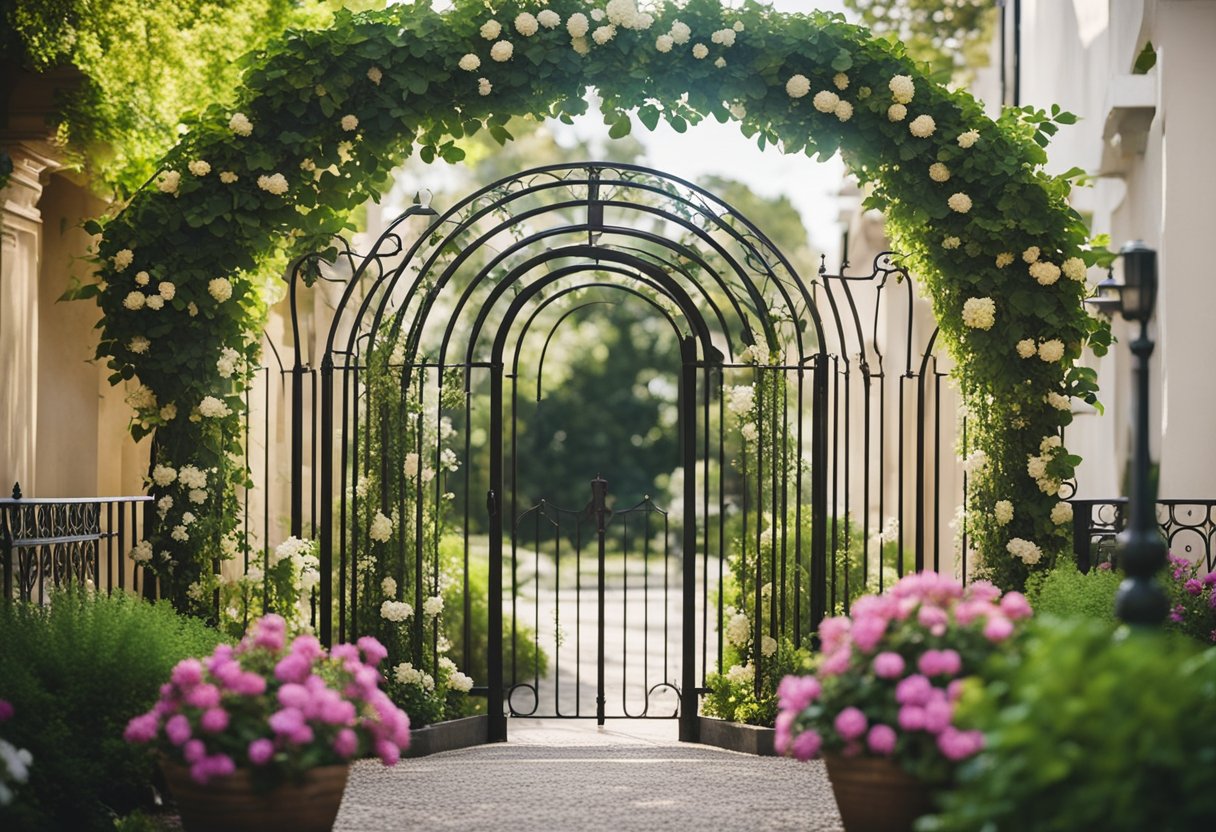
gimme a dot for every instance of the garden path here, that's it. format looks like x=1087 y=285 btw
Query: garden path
x=569 y=775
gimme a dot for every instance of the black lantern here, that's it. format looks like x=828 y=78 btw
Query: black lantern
x=1140 y=549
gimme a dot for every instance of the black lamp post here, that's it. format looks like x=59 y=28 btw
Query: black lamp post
x=1139 y=548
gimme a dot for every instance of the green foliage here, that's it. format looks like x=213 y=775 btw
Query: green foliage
x=1066 y=592
x=397 y=72
x=76 y=671
x=1088 y=731
x=952 y=35
x=737 y=698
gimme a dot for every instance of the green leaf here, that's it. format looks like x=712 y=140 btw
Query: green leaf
x=843 y=61
x=649 y=116
x=621 y=127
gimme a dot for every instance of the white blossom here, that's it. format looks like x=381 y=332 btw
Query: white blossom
x=275 y=183
x=142 y=398
x=1051 y=351
x=979 y=313
x=460 y=682
x=502 y=51
x=220 y=289
x=212 y=408
x=720 y=62
x=680 y=32
x=738 y=26
x=902 y=88
x=841 y=81
x=897 y=112
x=396 y=611
x=699 y=51
x=1061 y=513
x=825 y=101
x=228 y=362
x=548 y=18
x=350 y=123
x=188 y=518
x=738 y=630
x=163 y=475
x=168 y=181
x=1003 y=512
x=768 y=646
x=738 y=111
x=179 y=534
x=142 y=278
x=154 y=302
x=1026 y=348
x=976 y=462
x=163 y=505
x=526 y=24
x=969 y=138
x=577 y=25
x=1031 y=254
x=1028 y=552
x=959 y=202
x=1045 y=272
x=139 y=345
x=381 y=528
x=951 y=243
x=1004 y=259
x=797 y=86
x=1036 y=467
x=470 y=62
x=663 y=43
x=240 y=125
x=491 y=29
x=922 y=126
x=228 y=177
x=197 y=496
x=432 y=606
x=938 y=172
x=1058 y=400
x=741 y=674
x=375 y=74
x=740 y=399
x=169 y=412
x=749 y=431
x=726 y=37
x=199 y=167
x=1074 y=269
x=141 y=552
x=410 y=465
x=192 y=308
x=389 y=587
x=135 y=300
x=1050 y=443
x=484 y=87
x=603 y=34
x=580 y=46
x=191 y=477
x=597 y=15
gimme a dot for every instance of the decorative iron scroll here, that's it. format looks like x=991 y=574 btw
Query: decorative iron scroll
x=1188 y=526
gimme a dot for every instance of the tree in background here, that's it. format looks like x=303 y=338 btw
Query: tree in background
x=952 y=36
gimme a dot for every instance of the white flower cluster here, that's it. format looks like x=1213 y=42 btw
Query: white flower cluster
x=381 y=528
x=741 y=674
x=212 y=408
x=1004 y=259
x=290 y=549
x=389 y=587
x=902 y=88
x=502 y=51
x=951 y=243
x=1045 y=272
x=197 y=495
x=1030 y=255
x=123 y=259
x=825 y=101
x=749 y=432
x=578 y=25
x=141 y=552
x=191 y=477
x=841 y=81
x=768 y=646
x=1026 y=348
x=432 y=606
x=199 y=167
x=139 y=345
x=491 y=29
x=469 y=62
x=1003 y=512
x=375 y=75
x=755 y=354
x=603 y=34
x=738 y=630
x=350 y=123
x=163 y=475
x=969 y=138
x=458 y=681
x=975 y=462
x=220 y=289
x=1074 y=269
x=406 y=674
x=797 y=86
x=740 y=399
x=922 y=126
x=396 y=611
x=240 y=125
x=1061 y=513
x=959 y=202
x=228 y=177
x=168 y=181
x=1028 y=552
x=1058 y=400
x=1051 y=351
x=526 y=24
x=229 y=363
x=275 y=183
x=624 y=13
x=979 y=313
x=897 y=112
x=484 y=87
x=14 y=769
x=938 y=172
x=179 y=534
x=548 y=18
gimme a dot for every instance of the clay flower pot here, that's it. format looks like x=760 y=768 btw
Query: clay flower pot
x=876 y=795
x=230 y=804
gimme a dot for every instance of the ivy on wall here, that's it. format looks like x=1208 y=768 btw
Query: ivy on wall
x=323 y=114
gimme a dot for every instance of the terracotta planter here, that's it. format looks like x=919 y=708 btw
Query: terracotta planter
x=229 y=804
x=876 y=795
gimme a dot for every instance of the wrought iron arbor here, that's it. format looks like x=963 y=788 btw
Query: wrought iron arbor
x=417 y=413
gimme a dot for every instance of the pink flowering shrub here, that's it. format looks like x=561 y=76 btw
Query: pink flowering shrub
x=275 y=708
x=1192 y=599
x=891 y=674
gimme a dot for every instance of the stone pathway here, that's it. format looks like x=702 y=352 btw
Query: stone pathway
x=571 y=775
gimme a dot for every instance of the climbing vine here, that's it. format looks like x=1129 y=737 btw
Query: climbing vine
x=323 y=114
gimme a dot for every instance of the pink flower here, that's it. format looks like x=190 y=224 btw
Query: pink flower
x=836 y=663
x=270 y=632
x=388 y=752
x=957 y=745
x=934 y=619
x=850 y=723
x=337 y=711
x=912 y=718
x=260 y=751
x=834 y=632
x=6 y=710
x=214 y=720
x=914 y=690
x=142 y=728
x=938 y=712
x=794 y=693
x=806 y=745
x=177 y=729
x=955 y=689
x=248 y=684
x=998 y=629
x=187 y=673
x=881 y=740
x=293 y=668
x=346 y=743
x=203 y=696
x=308 y=647
x=373 y=651
x=218 y=765
x=968 y=611
x=1193 y=586
x=1176 y=614
x=296 y=696
x=867 y=632
x=1209 y=579
x=983 y=591
x=345 y=652
x=888 y=665
x=1015 y=606
x=784 y=736
x=193 y=751
x=286 y=721
x=940 y=663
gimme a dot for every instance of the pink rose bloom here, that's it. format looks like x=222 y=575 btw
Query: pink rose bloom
x=934 y=619
x=293 y=668
x=203 y=696
x=248 y=684
x=293 y=695
x=794 y=693
x=1015 y=606
x=1193 y=586
x=337 y=711
x=214 y=720
x=940 y=663
x=834 y=632
x=938 y=713
x=187 y=673
x=912 y=718
x=388 y=752
x=142 y=728
x=888 y=665
x=806 y=745
x=968 y=611
x=914 y=690
x=783 y=734
x=1209 y=579
x=193 y=751
x=867 y=632
x=270 y=632
x=260 y=751
x=881 y=740
x=308 y=647
x=177 y=729
x=286 y=721
x=837 y=662
x=983 y=591
x=373 y=651
x=998 y=629
x=346 y=743
x=850 y=723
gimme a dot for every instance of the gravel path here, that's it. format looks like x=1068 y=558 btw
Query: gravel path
x=571 y=775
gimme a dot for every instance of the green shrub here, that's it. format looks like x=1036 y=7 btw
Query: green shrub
x=1068 y=593
x=76 y=671
x=732 y=695
x=1091 y=728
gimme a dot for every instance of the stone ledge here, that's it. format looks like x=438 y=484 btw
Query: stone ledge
x=735 y=736
x=449 y=736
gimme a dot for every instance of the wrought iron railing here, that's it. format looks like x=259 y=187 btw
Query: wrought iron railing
x=63 y=541
x=1189 y=528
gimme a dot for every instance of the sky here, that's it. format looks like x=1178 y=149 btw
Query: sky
x=711 y=148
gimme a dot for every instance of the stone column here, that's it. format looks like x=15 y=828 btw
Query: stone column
x=20 y=249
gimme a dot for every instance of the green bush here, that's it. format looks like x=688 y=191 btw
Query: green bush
x=1068 y=593
x=734 y=698
x=76 y=671
x=1091 y=728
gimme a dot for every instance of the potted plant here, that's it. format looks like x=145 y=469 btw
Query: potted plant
x=260 y=736
x=880 y=706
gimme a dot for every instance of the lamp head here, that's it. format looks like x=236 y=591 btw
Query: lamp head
x=1139 y=293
